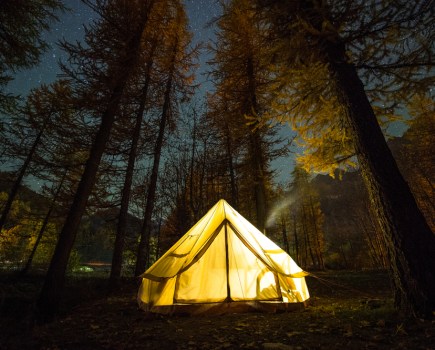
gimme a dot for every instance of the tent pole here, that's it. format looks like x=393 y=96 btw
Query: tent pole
x=227 y=261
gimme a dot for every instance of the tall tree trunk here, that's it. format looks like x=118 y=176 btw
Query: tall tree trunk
x=380 y=245
x=343 y=254
x=17 y=182
x=370 y=241
x=258 y=175
x=409 y=240
x=118 y=249
x=51 y=293
x=284 y=234
x=295 y=235
x=194 y=207
x=307 y=235
x=257 y=157
x=201 y=186
x=234 y=194
x=143 y=248
x=44 y=225
x=319 y=250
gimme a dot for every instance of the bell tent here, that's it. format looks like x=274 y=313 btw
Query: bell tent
x=222 y=264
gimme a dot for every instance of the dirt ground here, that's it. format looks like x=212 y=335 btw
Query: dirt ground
x=348 y=310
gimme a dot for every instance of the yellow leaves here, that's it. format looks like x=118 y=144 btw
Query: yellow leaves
x=327 y=30
x=422 y=107
x=305 y=98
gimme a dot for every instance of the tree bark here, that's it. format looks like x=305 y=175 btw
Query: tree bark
x=295 y=235
x=410 y=242
x=256 y=152
x=194 y=207
x=284 y=234
x=234 y=193
x=319 y=250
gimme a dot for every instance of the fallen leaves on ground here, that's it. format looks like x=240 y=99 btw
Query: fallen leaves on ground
x=330 y=322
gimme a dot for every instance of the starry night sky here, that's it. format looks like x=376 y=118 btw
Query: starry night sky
x=70 y=27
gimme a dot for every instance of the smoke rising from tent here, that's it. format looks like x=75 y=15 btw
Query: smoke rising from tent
x=278 y=208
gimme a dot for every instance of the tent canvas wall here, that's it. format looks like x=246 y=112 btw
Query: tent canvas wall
x=222 y=261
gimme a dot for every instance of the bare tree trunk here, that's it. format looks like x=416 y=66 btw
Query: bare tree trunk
x=259 y=185
x=370 y=241
x=319 y=252
x=284 y=234
x=380 y=244
x=409 y=240
x=234 y=194
x=307 y=236
x=295 y=234
x=343 y=254
x=257 y=157
x=193 y=206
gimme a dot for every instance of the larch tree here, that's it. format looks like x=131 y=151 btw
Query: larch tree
x=225 y=126
x=308 y=219
x=108 y=61
x=21 y=42
x=44 y=108
x=370 y=58
x=241 y=75
x=45 y=222
x=146 y=80
x=195 y=171
x=176 y=65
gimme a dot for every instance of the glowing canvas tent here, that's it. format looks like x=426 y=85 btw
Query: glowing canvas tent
x=222 y=263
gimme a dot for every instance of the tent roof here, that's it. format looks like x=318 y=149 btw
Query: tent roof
x=191 y=247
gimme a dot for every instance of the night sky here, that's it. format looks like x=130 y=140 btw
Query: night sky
x=70 y=27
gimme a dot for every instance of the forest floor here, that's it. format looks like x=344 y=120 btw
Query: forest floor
x=348 y=310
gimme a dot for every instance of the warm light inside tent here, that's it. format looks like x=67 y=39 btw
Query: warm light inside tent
x=223 y=258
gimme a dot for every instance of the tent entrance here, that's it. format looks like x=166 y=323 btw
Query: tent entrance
x=226 y=269
x=223 y=263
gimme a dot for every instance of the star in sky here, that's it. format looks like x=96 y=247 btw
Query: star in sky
x=71 y=28
x=201 y=14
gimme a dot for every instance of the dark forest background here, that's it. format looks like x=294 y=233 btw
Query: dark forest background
x=323 y=222
x=130 y=152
